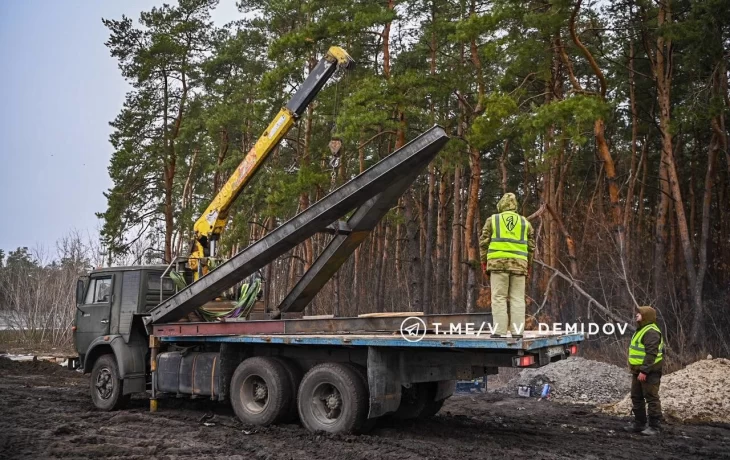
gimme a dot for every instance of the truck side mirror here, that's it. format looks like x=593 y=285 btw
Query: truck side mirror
x=79 y=291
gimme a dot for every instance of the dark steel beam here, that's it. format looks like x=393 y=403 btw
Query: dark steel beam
x=338 y=227
x=414 y=155
x=362 y=222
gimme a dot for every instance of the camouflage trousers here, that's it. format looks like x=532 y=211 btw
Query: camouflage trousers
x=508 y=285
x=645 y=394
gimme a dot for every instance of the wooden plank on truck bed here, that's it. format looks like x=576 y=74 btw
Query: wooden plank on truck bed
x=391 y=314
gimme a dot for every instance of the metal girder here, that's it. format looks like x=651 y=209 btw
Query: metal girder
x=362 y=222
x=400 y=164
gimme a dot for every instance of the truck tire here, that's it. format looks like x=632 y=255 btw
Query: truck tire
x=369 y=423
x=295 y=374
x=333 y=399
x=260 y=391
x=432 y=407
x=413 y=402
x=106 y=387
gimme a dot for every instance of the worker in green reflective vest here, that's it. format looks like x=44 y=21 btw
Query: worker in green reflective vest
x=646 y=357
x=507 y=245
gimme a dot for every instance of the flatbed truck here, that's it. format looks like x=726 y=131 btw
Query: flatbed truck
x=334 y=374
x=339 y=375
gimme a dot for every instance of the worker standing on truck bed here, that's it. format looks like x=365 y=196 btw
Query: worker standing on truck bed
x=646 y=361
x=507 y=246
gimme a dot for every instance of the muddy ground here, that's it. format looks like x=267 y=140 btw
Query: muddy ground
x=46 y=413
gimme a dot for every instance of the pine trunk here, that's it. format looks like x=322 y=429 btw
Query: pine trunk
x=304 y=197
x=472 y=211
x=415 y=273
x=430 y=230
x=380 y=290
x=718 y=142
x=442 y=262
x=456 y=233
x=661 y=230
x=358 y=269
x=379 y=268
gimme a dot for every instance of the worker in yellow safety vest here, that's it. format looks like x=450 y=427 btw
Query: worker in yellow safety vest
x=507 y=245
x=646 y=358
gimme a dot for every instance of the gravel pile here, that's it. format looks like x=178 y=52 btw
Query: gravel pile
x=698 y=393
x=575 y=380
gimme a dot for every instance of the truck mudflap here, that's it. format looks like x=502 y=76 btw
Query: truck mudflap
x=445 y=389
x=383 y=381
x=388 y=370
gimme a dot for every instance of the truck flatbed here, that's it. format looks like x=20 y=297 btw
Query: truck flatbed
x=532 y=340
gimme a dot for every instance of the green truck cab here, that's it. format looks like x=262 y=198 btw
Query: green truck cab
x=109 y=335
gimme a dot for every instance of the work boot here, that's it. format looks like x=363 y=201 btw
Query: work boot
x=653 y=429
x=636 y=427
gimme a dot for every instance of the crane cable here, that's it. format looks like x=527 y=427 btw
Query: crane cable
x=335 y=144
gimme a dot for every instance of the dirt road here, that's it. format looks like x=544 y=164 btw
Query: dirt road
x=46 y=413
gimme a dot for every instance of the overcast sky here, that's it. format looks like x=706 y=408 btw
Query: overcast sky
x=59 y=89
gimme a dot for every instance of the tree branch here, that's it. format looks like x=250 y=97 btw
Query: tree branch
x=569 y=66
x=586 y=53
x=590 y=298
x=537 y=213
x=523 y=82
x=375 y=137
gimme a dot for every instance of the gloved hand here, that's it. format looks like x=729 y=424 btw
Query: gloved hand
x=484 y=267
x=642 y=377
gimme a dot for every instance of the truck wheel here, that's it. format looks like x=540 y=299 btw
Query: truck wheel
x=260 y=391
x=294 y=372
x=432 y=407
x=106 y=386
x=332 y=398
x=413 y=401
x=369 y=423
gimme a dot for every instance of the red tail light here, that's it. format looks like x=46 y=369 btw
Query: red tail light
x=524 y=361
x=573 y=349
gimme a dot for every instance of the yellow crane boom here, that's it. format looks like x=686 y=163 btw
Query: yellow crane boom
x=209 y=227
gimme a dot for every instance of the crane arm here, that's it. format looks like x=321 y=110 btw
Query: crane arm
x=209 y=227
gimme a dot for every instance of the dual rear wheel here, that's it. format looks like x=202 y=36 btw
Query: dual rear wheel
x=333 y=397
x=330 y=397
x=261 y=391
